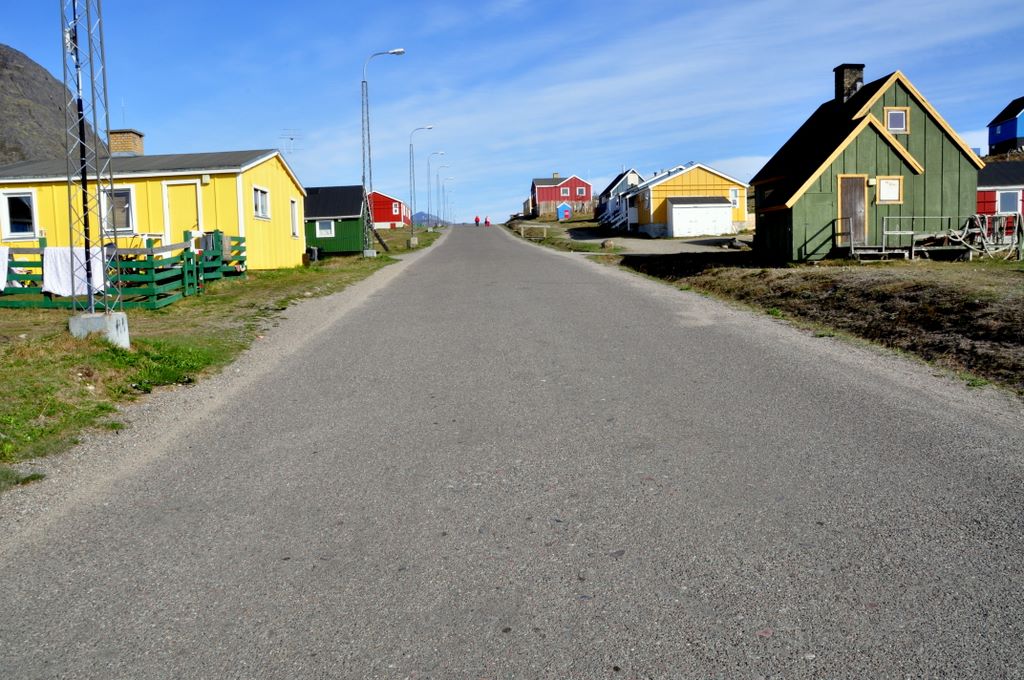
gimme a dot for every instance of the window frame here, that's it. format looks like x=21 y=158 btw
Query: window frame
x=565 y=192
x=734 y=197
x=878 y=189
x=133 y=228
x=256 y=191
x=294 y=214
x=580 y=192
x=5 y=215
x=395 y=210
x=999 y=196
x=320 y=234
x=905 y=110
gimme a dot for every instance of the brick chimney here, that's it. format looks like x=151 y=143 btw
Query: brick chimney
x=849 y=79
x=126 y=142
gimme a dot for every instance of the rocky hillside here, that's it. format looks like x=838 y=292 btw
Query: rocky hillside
x=31 y=109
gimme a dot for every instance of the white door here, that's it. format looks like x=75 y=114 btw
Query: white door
x=700 y=220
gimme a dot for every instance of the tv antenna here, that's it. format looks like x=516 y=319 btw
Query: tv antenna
x=288 y=138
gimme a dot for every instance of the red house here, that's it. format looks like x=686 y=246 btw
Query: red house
x=389 y=212
x=1001 y=192
x=547 y=193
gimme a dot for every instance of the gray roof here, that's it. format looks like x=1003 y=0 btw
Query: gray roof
x=335 y=202
x=131 y=165
x=549 y=181
x=699 y=200
x=1002 y=174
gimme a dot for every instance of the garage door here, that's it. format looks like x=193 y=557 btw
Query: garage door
x=700 y=220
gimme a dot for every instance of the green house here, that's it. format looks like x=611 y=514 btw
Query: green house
x=334 y=219
x=875 y=167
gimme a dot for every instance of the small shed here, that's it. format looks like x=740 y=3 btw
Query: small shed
x=699 y=216
x=334 y=219
x=564 y=211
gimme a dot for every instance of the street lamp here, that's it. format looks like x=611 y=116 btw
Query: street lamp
x=447 y=196
x=367 y=161
x=437 y=184
x=429 y=216
x=412 y=187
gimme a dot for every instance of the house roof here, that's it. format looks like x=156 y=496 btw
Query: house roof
x=699 y=200
x=387 y=196
x=134 y=165
x=680 y=170
x=555 y=181
x=618 y=178
x=1012 y=110
x=830 y=129
x=1005 y=174
x=334 y=202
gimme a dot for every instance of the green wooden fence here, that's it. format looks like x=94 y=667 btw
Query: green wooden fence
x=147 y=278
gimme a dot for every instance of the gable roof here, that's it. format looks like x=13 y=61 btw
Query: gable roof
x=1012 y=110
x=618 y=178
x=1005 y=174
x=387 y=196
x=334 y=202
x=699 y=200
x=680 y=170
x=831 y=128
x=555 y=181
x=223 y=161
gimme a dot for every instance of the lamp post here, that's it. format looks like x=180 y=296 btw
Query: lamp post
x=413 y=241
x=447 y=196
x=437 y=185
x=429 y=216
x=367 y=159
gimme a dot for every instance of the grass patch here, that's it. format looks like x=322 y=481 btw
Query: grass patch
x=9 y=478
x=556 y=236
x=56 y=386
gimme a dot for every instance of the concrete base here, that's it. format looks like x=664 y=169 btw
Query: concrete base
x=369 y=252
x=413 y=241
x=114 y=325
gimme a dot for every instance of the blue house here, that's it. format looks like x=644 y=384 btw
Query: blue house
x=564 y=211
x=1006 y=131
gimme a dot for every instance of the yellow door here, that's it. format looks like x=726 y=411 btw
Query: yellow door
x=182 y=209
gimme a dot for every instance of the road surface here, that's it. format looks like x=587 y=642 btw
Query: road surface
x=498 y=461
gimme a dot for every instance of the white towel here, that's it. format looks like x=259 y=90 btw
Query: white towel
x=63 y=277
x=5 y=252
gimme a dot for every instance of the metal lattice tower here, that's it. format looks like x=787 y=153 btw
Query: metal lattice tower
x=90 y=179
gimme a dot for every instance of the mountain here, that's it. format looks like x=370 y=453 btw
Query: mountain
x=422 y=217
x=31 y=110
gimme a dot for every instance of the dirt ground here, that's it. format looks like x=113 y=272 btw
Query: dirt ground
x=964 y=316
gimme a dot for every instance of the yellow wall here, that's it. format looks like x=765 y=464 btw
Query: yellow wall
x=695 y=182
x=269 y=243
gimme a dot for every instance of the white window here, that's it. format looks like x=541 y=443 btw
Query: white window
x=394 y=208
x=261 y=202
x=18 y=215
x=295 y=218
x=581 y=191
x=1008 y=201
x=890 y=190
x=565 y=191
x=325 y=228
x=734 y=197
x=119 y=210
x=897 y=119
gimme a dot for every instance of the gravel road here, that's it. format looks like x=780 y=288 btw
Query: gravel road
x=498 y=461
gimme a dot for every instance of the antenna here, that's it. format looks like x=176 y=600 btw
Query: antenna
x=89 y=176
x=288 y=138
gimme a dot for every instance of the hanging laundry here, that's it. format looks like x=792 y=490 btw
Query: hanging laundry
x=63 y=277
x=5 y=252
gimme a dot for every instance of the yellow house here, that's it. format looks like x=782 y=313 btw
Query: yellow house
x=689 y=200
x=253 y=194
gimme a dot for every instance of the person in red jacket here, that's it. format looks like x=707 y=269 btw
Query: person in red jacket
x=478 y=220
x=487 y=221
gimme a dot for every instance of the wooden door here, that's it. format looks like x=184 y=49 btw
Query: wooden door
x=853 y=208
x=182 y=209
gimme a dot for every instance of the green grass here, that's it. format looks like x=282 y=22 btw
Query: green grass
x=55 y=386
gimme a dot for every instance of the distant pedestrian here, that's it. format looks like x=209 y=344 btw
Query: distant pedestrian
x=487 y=221
x=478 y=220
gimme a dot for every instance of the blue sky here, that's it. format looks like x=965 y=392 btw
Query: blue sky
x=518 y=89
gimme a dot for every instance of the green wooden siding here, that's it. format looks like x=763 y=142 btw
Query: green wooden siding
x=348 y=237
x=946 y=189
